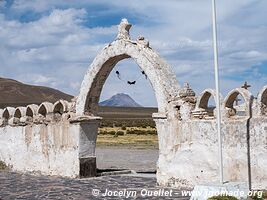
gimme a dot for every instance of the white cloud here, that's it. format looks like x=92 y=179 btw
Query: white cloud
x=60 y=46
x=38 y=79
x=57 y=46
x=75 y=85
x=47 y=31
x=2 y=4
x=247 y=55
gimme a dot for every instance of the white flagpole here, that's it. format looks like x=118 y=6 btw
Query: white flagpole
x=218 y=105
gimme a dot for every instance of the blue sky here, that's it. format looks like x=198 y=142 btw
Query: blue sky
x=52 y=43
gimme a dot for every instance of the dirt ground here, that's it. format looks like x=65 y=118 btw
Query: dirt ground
x=121 y=157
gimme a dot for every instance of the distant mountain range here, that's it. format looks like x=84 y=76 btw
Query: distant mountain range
x=14 y=93
x=120 y=100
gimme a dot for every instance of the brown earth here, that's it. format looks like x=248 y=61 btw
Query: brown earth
x=14 y=93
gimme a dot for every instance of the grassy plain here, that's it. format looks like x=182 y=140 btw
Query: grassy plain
x=130 y=127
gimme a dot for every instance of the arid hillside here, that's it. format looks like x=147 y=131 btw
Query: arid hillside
x=14 y=93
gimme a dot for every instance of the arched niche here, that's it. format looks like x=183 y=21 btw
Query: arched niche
x=45 y=108
x=203 y=109
x=262 y=101
x=20 y=112
x=8 y=113
x=243 y=110
x=31 y=110
x=61 y=107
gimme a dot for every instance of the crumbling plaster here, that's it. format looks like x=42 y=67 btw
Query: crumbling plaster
x=60 y=138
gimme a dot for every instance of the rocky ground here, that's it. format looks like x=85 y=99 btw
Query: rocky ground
x=135 y=186
x=23 y=186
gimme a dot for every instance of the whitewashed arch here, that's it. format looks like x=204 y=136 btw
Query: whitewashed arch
x=262 y=102
x=8 y=112
x=45 y=108
x=160 y=74
x=262 y=97
x=61 y=106
x=232 y=95
x=20 y=112
x=31 y=110
x=202 y=101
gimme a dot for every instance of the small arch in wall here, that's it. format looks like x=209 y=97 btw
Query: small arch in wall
x=238 y=103
x=262 y=100
x=8 y=113
x=45 y=108
x=61 y=107
x=20 y=112
x=206 y=104
x=264 y=97
x=31 y=110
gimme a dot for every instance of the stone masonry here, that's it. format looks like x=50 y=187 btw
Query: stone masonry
x=60 y=138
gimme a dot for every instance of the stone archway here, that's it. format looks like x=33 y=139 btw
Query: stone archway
x=159 y=73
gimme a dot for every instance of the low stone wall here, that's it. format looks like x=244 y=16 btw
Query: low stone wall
x=258 y=151
x=60 y=138
x=193 y=158
x=189 y=144
x=50 y=149
x=48 y=139
x=53 y=140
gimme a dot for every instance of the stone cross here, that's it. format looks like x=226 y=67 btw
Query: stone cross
x=123 y=30
x=246 y=86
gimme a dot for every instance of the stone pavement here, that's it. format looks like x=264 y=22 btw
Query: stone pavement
x=24 y=186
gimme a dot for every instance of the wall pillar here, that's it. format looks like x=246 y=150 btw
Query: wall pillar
x=166 y=138
x=88 y=129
